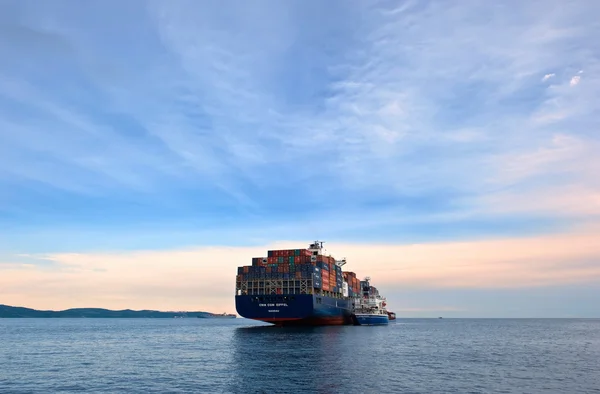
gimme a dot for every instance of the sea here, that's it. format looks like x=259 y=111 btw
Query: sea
x=192 y=355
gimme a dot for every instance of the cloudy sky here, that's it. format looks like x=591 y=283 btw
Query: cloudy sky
x=448 y=149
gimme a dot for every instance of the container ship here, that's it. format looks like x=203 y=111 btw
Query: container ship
x=300 y=287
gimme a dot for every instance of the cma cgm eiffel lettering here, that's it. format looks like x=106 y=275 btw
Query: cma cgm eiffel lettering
x=297 y=287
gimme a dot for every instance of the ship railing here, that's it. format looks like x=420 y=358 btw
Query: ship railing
x=276 y=286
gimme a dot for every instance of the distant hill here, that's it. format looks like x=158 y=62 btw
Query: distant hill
x=15 y=311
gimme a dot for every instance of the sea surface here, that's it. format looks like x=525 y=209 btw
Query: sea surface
x=240 y=356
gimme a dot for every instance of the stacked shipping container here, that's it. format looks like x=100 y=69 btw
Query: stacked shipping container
x=353 y=283
x=298 y=264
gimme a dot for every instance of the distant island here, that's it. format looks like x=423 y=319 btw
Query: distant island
x=7 y=311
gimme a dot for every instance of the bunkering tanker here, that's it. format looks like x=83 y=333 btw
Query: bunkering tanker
x=297 y=287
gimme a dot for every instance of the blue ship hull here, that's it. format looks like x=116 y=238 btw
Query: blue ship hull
x=371 y=320
x=295 y=309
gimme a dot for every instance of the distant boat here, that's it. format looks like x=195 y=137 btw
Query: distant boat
x=220 y=315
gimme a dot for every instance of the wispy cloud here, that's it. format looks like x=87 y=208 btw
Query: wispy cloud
x=239 y=120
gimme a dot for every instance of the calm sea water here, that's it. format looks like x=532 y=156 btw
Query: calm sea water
x=237 y=356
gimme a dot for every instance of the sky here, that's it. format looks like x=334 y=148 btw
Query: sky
x=450 y=150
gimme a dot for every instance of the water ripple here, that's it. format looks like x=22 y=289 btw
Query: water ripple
x=237 y=356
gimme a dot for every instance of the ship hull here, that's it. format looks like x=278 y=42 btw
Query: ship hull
x=371 y=319
x=295 y=309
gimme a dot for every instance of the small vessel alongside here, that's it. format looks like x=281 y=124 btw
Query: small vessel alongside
x=370 y=306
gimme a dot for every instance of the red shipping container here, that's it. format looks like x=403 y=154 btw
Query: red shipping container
x=296 y=259
x=246 y=269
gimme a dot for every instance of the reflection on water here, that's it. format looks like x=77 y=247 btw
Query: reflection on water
x=292 y=359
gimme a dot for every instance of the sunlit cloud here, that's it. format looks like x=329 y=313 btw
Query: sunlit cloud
x=548 y=76
x=204 y=278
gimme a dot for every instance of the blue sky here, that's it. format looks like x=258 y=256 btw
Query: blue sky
x=147 y=125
